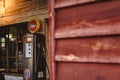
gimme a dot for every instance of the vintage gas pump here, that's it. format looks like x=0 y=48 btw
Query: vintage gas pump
x=34 y=62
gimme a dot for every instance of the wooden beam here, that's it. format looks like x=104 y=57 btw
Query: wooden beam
x=88 y=20
x=96 y=30
x=100 y=49
x=66 y=3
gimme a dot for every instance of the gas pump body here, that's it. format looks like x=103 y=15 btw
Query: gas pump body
x=34 y=57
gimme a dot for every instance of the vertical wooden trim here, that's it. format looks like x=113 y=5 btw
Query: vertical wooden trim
x=7 y=46
x=51 y=39
x=47 y=46
x=17 y=54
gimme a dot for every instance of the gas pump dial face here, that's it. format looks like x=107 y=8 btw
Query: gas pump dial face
x=32 y=25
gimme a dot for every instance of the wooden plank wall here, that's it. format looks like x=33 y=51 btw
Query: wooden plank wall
x=84 y=39
x=65 y=3
x=17 y=11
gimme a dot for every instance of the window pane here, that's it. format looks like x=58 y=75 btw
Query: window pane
x=12 y=41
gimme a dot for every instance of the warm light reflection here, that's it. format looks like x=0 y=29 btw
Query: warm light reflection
x=9 y=35
x=2 y=8
x=2 y=12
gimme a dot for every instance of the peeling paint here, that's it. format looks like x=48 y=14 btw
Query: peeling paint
x=70 y=57
x=93 y=58
x=97 y=46
x=102 y=46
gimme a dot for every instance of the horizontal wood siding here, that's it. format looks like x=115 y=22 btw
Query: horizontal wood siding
x=101 y=49
x=85 y=39
x=66 y=3
x=17 y=11
x=88 y=20
x=82 y=71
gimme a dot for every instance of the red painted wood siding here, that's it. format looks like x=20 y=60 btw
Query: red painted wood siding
x=65 y=3
x=84 y=39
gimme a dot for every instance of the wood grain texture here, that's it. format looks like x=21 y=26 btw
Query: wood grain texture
x=85 y=39
x=104 y=49
x=82 y=71
x=88 y=20
x=19 y=1
x=24 y=10
x=66 y=3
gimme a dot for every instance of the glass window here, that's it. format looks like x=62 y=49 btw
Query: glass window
x=11 y=47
